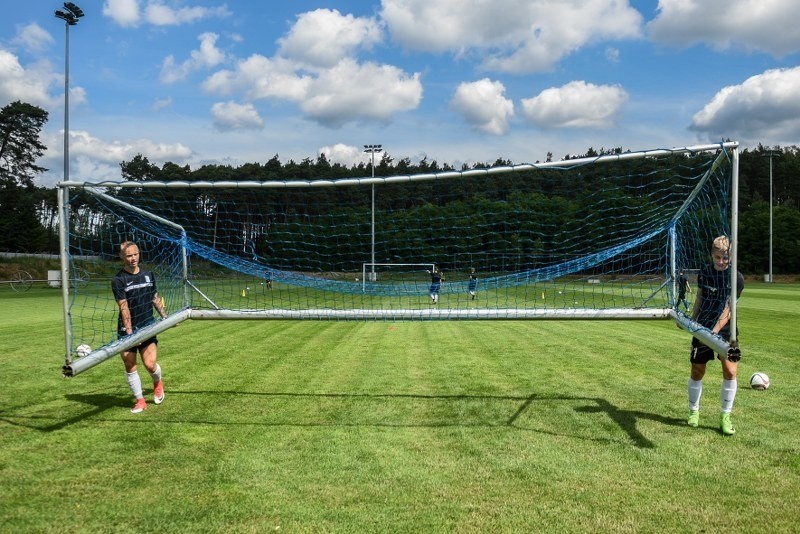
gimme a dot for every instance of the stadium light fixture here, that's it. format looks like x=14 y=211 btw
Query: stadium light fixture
x=372 y=150
x=70 y=16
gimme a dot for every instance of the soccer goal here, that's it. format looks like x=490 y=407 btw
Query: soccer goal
x=589 y=238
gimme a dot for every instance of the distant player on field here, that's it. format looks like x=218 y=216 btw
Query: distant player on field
x=136 y=295
x=683 y=288
x=712 y=310
x=472 y=287
x=437 y=279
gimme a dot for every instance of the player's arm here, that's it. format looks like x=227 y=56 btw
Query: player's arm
x=697 y=304
x=125 y=313
x=724 y=317
x=158 y=304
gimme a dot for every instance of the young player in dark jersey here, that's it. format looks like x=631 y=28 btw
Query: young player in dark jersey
x=683 y=288
x=437 y=278
x=472 y=286
x=712 y=310
x=136 y=295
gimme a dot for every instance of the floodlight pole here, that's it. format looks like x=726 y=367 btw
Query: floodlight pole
x=770 y=154
x=70 y=16
x=372 y=149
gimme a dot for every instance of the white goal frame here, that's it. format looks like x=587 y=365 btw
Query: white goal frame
x=75 y=366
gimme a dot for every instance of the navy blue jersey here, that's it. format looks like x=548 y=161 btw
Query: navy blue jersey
x=683 y=283
x=139 y=290
x=473 y=282
x=715 y=288
x=436 y=281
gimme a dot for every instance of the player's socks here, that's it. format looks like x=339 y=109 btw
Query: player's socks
x=728 y=395
x=156 y=375
x=135 y=384
x=695 y=392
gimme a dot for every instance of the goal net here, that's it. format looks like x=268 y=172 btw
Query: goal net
x=600 y=237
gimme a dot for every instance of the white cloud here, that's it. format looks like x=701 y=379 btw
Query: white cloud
x=347 y=92
x=207 y=56
x=160 y=14
x=575 y=105
x=765 y=106
x=517 y=36
x=766 y=25
x=230 y=116
x=126 y=13
x=162 y=103
x=96 y=159
x=484 y=106
x=323 y=37
x=33 y=38
x=342 y=154
x=353 y=92
x=260 y=77
x=130 y=13
x=30 y=85
x=82 y=143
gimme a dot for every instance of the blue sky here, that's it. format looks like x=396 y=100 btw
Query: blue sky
x=456 y=81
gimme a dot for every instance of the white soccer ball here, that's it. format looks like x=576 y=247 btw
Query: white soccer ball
x=83 y=350
x=759 y=381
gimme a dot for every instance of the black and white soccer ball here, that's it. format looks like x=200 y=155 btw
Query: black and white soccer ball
x=83 y=350
x=759 y=381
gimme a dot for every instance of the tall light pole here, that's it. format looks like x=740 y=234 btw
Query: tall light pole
x=769 y=155
x=372 y=150
x=70 y=16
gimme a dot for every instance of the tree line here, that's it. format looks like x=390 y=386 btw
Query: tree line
x=29 y=222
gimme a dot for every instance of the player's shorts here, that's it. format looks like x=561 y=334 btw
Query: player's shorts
x=143 y=345
x=703 y=353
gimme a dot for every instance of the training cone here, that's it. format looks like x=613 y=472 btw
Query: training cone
x=244 y=293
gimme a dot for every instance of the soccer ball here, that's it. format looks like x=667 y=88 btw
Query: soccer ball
x=83 y=350
x=759 y=381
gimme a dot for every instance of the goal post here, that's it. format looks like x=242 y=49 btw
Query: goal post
x=590 y=238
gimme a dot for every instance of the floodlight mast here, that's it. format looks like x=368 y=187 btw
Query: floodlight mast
x=70 y=16
x=372 y=150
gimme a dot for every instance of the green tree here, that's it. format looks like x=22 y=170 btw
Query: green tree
x=21 y=228
x=20 y=147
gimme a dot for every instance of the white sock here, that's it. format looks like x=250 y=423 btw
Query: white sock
x=135 y=383
x=728 y=394
x=695 y=392
x=156 y=375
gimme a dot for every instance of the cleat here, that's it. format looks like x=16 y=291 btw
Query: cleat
x=725 y=425
x=694 y=418
x=140 y=406
x=158 y=392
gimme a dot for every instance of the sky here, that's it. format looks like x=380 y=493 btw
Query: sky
x=459 y=82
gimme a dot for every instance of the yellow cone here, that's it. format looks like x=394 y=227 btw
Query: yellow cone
x=244 y=294
x=542 y=295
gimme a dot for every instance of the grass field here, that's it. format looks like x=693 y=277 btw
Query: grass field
x=507 y=426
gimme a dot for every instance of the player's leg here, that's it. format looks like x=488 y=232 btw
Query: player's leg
x=699 y=358
x=134 y=382
x=150 y=361
x=727 y=395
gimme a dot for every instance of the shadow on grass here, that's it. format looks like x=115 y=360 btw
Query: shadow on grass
x=99 y=403
x=626 y=420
